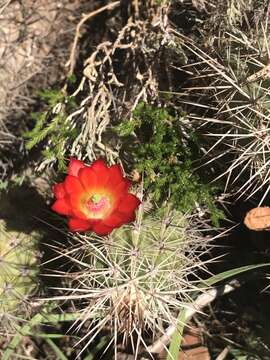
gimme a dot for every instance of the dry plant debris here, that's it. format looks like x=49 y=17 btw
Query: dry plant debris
x=28 y=32
x=121 y=71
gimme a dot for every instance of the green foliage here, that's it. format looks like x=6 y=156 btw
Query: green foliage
x=160 y=2
x=44 y=316
x=3 y=185
x=15 y=180
x=164 y=151
x=52 y=125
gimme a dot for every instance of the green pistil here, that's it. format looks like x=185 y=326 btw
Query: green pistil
x=96 y=198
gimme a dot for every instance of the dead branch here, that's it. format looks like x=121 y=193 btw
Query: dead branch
x=72 y=59
x=204 y=299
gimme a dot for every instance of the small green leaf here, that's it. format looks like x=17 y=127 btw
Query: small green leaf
x=39 y=318
x=58 y=352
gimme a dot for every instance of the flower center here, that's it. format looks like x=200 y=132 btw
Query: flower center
x=97 y=203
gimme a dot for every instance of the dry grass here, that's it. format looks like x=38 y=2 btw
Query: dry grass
x=35 y=36
x=29 y=31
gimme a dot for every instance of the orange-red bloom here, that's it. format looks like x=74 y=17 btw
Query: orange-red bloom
x=95 y=198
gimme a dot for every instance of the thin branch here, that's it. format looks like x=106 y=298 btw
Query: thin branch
x=223 y=354
x=204 y=299
x=72 y=59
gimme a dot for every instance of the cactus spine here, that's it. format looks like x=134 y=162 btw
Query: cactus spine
x=18 y=259
x=230 y=83
x=138 y=278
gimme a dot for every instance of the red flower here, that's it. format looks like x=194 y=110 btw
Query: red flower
x=95 y=198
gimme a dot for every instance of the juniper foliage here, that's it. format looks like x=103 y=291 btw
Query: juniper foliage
x=52 y=125
x=164 y=149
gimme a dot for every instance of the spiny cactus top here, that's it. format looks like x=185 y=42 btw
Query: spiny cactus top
x=95 y=198
x=138 y=279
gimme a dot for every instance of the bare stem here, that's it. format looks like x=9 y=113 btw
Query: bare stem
x=204 y=299
x=71 y=62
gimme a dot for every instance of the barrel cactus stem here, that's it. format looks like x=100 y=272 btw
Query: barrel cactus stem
x=138 y=278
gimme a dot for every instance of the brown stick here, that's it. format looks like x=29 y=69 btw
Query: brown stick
x=72 y=59
x=202 y=300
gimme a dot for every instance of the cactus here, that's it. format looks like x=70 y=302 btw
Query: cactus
x=230 y=94
x=18 y=269
x=139 y=277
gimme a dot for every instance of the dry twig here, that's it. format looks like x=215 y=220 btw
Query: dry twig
x=205 y=299
x=72 y=59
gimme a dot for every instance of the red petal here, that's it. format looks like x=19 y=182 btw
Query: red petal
x=102 y=172
x=114 y=220
x=122 y=188
x=59 y=191
x=76 y=200
x=62 y=206
x=128 y=204
x=116 y=175
x=73 y=185
x=118 y=219
x=98 y=165
x=75 y=224
x=88 y=178
x=74 y=166
x=77 y=205
x=101 y=229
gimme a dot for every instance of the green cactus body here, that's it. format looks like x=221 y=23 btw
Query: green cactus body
x=139 y=277
x=17 y=268
x=154 y=243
